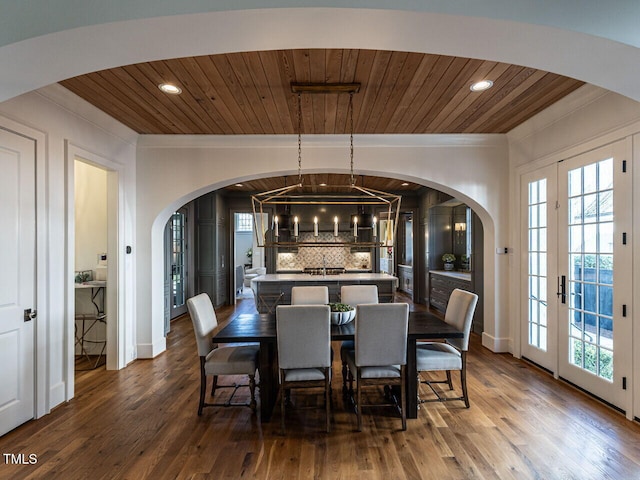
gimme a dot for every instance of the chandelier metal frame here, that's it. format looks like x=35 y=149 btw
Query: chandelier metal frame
x=300 y=194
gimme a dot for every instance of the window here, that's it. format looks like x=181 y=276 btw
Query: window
x=244 y=222
x=537 y=253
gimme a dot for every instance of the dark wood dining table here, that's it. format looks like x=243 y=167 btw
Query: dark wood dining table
x=261 y=328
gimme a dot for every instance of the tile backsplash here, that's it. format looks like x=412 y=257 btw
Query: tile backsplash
x=333 y=256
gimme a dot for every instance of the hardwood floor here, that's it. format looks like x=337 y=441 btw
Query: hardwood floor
x=141 y=422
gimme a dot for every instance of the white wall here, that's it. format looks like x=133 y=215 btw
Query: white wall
x=586 y=119
x=74 y=124
x=174 y=170
x=513 y=34
x=90 y=214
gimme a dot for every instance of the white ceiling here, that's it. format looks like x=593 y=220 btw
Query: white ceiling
x=616 y=20
x=589 y=40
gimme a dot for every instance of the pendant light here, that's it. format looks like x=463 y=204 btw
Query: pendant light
x=301 y=231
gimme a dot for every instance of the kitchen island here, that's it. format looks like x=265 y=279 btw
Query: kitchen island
x=275 y=289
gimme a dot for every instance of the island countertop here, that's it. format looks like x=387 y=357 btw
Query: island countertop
x=306 y=277
x=274 y=289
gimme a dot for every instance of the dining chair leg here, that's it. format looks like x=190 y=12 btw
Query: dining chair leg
x=282 y=402
x=327 y=390
x=214 y=385
x=449 y=382
x=203 y=386
x=358 y=401
x=350 y=379
x=463 y=380
x=403 y=400
x=252 y=389
x=345 y=374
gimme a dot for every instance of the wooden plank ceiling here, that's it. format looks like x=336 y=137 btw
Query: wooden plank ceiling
x=250 y=93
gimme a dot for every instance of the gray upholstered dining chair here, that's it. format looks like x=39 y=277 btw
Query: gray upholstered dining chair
x=380 y=354
x=354 y=295
x=304 y=351
x=220 y=360
x=452 y=354
x=310 y=295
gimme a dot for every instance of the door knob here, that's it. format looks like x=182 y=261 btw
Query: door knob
x=30 y=314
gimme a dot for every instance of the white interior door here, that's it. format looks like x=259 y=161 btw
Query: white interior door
x=539 y=338
x=594 y=267
x=17 y=282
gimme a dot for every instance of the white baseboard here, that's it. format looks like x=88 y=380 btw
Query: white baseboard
x=57 y=395
x=151 y=350
x=496 y=345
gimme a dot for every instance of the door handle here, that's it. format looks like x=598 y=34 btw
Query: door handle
x=562 y=288
x=30 y=314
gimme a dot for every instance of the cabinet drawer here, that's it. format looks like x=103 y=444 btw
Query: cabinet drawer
x=441 y=287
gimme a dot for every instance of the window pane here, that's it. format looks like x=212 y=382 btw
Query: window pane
x=605 y=333
x=542 y=238
x=590 y=208
x=605 y=174
x=575 y=239
x=533 y=263
x=533 y=193
x=605 y=200
x=542 y=266
x=575 y=291
x=576 y=272
x=590 y=361
x=590 y=237
x=605 y=269
x=533 y=334
x=575 y=182
x=605 y=244
x=576 y=329
x=533 y=239
x=575 y=210
x=533 y=216
x=542 y=215
x=542 y=289
x=533 y=287
x=606 y=364
x=543 y=314
x=605 y=300
x=542 y=188
x=590 y=178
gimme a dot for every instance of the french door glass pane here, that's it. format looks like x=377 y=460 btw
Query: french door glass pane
x=178 y=283
x=591 y=274
x=537 y=253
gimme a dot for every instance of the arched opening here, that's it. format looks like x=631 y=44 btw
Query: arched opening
x=426 y=202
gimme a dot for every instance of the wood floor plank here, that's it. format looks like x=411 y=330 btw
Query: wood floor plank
x=141 y=422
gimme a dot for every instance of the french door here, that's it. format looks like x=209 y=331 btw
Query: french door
x=577 y=264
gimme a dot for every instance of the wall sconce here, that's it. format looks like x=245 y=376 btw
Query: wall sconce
x=460 y=228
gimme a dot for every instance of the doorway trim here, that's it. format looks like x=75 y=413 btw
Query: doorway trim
x=115 y=265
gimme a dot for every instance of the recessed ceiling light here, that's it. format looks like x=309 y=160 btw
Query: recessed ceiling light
x=405 y=184
x=323 y=184
x=170 y=89
x=481 y=85
x=239 y=185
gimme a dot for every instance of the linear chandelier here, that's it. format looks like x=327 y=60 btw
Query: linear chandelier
x=366 y=229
